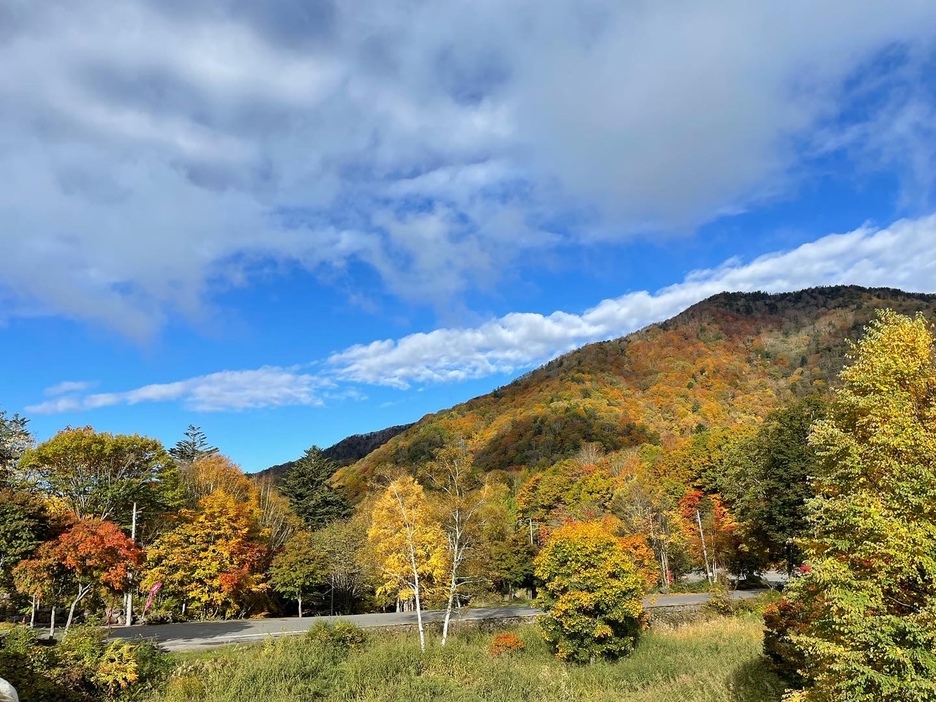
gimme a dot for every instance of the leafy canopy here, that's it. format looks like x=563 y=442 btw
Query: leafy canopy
x=591 y=594
x=97 y=474
x=871 y=553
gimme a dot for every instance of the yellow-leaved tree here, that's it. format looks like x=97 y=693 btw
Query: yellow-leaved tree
x=863 y=622
x=591 y=596
x=408 y=544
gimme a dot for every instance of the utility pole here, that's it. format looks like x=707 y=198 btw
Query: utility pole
x=128 y=598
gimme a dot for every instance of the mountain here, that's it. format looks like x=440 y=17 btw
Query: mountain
x=728 y=360
x=346 y=451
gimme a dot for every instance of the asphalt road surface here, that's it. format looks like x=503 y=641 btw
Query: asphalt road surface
x=188 y=636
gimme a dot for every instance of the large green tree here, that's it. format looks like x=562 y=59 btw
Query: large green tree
x=869 y=592
x=308 y=489
x=299 y=568
x=766 y=481
x=100 y=475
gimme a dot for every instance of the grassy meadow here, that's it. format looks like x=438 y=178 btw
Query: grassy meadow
x=717 y=659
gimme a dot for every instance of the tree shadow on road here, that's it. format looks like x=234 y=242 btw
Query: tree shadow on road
x=193 y=634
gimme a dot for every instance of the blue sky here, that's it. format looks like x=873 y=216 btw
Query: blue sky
x=291 y=221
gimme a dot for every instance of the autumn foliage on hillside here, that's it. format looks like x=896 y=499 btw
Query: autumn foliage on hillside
x=725 y=362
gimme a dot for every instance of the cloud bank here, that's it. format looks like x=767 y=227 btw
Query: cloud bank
x=173 y=149
x=902 y=255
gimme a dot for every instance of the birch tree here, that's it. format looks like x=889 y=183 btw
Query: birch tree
x=459 y=504
x=408 y=544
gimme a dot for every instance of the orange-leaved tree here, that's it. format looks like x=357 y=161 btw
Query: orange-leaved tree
x=211 y=560
x=92 y=553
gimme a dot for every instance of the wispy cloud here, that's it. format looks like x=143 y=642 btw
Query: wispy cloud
x=269 y=386
x=67 y=387
x=902 y=255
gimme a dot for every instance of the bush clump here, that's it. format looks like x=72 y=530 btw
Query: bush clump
x=84 y=666
x=341 y=635
x=506 y=643
x=591 y=594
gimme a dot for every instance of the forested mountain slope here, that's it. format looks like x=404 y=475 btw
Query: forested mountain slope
x=728 y=360
x=346 y=451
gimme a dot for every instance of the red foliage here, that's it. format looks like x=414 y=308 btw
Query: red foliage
x=97 y=550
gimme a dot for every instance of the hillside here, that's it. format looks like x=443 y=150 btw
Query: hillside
x=346 y=451
x=728 y=360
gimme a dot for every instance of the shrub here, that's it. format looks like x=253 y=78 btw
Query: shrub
x=506 y=643
x=117 y=668
x=591 y=595
x=720 y=604
x=782 y=620
x=160 y=616
x=83 y=666
x=341 y=635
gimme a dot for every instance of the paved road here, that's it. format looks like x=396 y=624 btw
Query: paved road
x=187 y=636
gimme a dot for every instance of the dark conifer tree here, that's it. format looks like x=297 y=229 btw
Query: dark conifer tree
x=306 y=485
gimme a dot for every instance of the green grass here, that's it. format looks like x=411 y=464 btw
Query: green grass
x=717 y=660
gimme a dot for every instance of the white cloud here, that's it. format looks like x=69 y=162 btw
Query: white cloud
x=269 y=386
x=902 y=255
x=167 y=142
x=67 y=387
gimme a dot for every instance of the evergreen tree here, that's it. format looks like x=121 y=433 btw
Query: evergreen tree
x=306 y=485
x=193 y=446
x=767 y=483
x=15 y=439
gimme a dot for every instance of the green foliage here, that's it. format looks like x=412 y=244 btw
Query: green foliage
x=591 y=594
x=299 y=568
x=767 y=482
x=544 y=438
x=96 y=474
x=509 y=562
x=310 y=493
x=870 y=587
x=342 y=635
x=83 y=667
x=24 y=523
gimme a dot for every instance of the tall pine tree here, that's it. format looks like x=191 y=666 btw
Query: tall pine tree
x=306 y=485
x=193 y=446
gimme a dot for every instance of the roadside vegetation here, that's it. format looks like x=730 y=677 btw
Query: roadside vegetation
x=715 y=660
